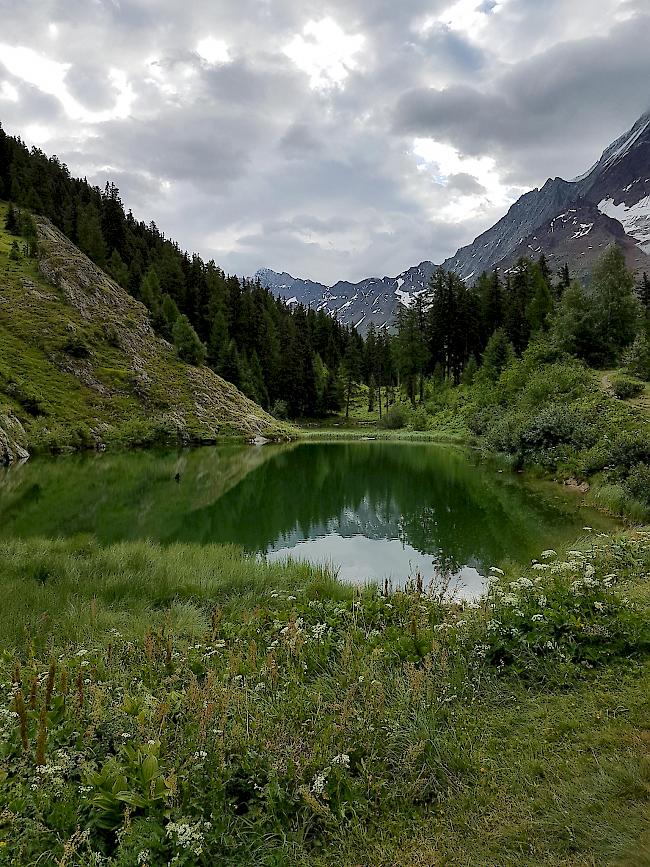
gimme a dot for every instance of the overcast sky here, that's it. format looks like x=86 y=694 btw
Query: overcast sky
x=334 y=140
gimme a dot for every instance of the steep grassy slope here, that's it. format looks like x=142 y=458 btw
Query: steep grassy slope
x=80 y=364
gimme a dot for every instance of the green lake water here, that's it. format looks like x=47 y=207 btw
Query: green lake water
x=373 y=510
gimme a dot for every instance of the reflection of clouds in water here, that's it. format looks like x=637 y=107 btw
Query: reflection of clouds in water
x=361 y=560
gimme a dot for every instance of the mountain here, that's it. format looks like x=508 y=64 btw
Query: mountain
x=373 y=300
x=572 y=221
x=81 y=366
x=569 y=221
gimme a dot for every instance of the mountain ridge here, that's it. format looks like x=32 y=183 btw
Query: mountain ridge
x=610 y=203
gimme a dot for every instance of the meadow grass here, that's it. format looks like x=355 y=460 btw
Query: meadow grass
x=192 y=705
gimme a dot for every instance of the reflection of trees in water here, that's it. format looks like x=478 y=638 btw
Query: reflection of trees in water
x=431 y=498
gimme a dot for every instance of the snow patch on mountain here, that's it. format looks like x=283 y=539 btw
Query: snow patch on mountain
x=635 y=219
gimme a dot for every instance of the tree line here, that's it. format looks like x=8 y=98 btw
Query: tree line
x=451 y=328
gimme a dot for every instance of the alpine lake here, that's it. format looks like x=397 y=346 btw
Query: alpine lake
x=373 y=511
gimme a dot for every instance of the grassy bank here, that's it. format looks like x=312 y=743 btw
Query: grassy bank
x=189 y=705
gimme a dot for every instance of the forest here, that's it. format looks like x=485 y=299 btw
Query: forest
x=301 y=363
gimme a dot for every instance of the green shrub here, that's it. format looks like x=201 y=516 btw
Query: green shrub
x=76 y=346
x=564 y=611
x=638 y=483
x=625 y=386
x=419 y=419
x=637 y=357
x=395 y=418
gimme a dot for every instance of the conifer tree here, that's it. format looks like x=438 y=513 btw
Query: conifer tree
x=498 y=353
x=11 y=221
x=616 y=308
x=187 y=343
x=89 y=233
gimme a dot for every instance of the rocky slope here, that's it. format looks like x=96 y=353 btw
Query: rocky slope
x=80 y=364
x=568 y=221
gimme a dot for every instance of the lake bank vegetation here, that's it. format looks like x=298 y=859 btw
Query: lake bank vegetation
x=188 y=705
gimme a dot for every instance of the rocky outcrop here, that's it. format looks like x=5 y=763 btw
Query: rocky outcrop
x=13 y=439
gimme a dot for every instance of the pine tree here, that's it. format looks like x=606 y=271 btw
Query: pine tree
x=169 y=315
x=541 y=304
x=11 y=221
x=616 y=308
x=187 y=343
x=117 y=269
x=14 y=252
x=574 y=327
x=498 y=353
x=218 y=341
x=150 y=293
x=644 y=293
x=89 y=233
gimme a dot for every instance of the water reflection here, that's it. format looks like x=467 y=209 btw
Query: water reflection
x=372 y=509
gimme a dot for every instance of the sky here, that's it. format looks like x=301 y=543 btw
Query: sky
x=337 y=139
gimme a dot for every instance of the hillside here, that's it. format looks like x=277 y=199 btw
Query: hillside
x=81 y=366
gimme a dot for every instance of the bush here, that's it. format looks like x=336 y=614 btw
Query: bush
x=76 y=346
x=395 y=418
x=419 y=419
x=568 y=611
x=637 y=357
x=280 y=410
x=638 y=483
x=625 y=386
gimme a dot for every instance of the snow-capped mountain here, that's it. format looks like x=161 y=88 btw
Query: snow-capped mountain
x=373 y=300
x=563 y=218
x=569 y=221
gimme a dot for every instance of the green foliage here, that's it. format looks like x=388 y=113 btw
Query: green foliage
x=11 y=221
x=625 y=386
x=419 y=419
x=563 y=613
x=187 y=343
x=498 y=353
x=14 y=253
x=396 y=417
x=637 y=357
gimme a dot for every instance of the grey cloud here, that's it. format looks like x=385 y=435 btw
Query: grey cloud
x=322 y=183
x=465 y=184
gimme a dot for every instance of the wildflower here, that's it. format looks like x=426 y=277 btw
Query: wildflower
x=497 y=570
x=318 y=785
x=342 y=759
x=549 y=553
x=599 y=606
x=589 y=570
x=540 y=566
x=537 y=618
x=588 y=529
x=144 y=856
x=292 y=598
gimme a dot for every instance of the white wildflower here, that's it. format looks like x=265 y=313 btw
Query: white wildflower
x=342 y=759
